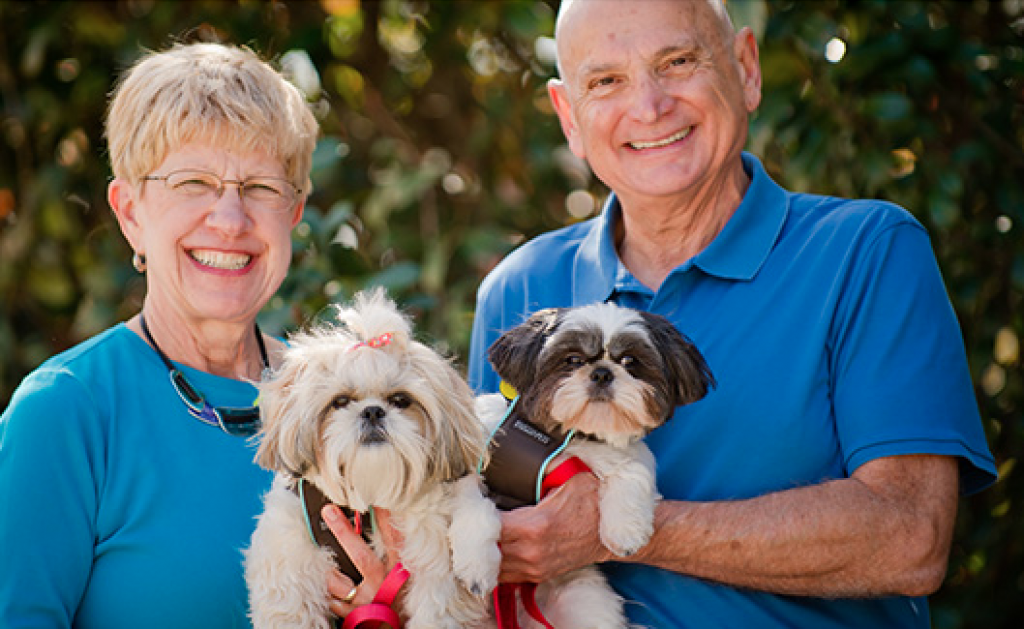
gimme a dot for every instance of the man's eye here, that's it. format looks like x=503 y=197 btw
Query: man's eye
x=685 y=62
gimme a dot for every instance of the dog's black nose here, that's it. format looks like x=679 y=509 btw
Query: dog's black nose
x=602 y=376
x=373 y=414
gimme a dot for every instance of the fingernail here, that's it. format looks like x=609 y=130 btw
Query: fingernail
x=330 y=513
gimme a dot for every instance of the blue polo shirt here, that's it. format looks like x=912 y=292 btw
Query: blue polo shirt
x=828 y=328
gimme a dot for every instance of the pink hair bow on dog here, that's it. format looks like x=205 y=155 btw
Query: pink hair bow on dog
x=376 y=342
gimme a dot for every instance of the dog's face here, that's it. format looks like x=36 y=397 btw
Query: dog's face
x=366 y=412
x=602 y=370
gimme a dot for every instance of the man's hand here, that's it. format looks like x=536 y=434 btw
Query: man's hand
x=554 y=537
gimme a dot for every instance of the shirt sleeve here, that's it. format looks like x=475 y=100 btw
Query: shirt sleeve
x=51 y=454
x=487 y=326
x=901 y=381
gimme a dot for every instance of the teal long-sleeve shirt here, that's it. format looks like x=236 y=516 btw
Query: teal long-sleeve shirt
x=117 y=508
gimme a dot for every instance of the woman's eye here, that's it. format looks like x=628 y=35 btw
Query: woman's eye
x=340 y=401
x=262 y=190
x=400 y=401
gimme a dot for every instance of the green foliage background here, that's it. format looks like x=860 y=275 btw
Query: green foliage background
x=440 y=154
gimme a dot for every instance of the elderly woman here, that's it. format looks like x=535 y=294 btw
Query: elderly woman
x=127 y=481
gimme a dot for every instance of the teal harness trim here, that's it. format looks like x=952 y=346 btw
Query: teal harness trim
x=547 y=461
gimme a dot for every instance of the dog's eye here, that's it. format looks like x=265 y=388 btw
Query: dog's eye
x=574 y=360
x=340 y=401
x=627 y=361
x=400 y=401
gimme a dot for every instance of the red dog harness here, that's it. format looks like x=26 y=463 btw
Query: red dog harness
x=520 y=453
x=380 y=612
x=505 y=593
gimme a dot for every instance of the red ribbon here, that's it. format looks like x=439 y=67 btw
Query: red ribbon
x=505 y=593
x=379 y=612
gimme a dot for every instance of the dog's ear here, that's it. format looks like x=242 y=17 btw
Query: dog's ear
x=284 y=444
x=684 y=363
x=514 y=354
x=457 y=436
x=466 y=442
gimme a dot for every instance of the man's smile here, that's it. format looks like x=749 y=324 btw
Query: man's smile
x=675 y=137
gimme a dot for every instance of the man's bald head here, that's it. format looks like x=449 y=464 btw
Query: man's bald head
x=712 y=11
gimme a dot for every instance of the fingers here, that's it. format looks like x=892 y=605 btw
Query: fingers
x=344 y=595
x=340 y=589
x=391 y=536
x=554 y=537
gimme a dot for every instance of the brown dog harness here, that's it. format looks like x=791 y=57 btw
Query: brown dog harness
x=520 y=454
x=313 y=501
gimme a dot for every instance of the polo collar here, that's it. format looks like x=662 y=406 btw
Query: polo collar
x=597 y=266
x=743 y=245
x=737 y=253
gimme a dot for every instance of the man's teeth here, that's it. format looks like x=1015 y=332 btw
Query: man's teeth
x=659 y=143
x=220 y=260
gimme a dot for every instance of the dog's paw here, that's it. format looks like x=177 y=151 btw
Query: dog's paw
x=481 y=577
x=625 y=538
x=478 y=572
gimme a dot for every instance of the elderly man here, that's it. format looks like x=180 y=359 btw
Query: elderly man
x=817 y=485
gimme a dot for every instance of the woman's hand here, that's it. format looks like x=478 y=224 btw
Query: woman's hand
x=339 y=586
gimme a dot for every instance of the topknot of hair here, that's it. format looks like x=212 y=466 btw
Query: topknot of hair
x=372 y=315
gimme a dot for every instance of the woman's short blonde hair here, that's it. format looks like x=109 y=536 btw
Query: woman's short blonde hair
x=217 y=94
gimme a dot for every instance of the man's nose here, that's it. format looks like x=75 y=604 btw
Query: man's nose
x=651 y=100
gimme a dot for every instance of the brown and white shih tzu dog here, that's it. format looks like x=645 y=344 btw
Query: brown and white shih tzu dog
x=603 y=377
x=372 y=418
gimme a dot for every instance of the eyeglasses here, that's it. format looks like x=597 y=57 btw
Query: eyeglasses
x=237 y=422
x=200 y=188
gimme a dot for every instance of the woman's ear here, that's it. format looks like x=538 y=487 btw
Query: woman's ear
x=300 y=208
x=121 y=197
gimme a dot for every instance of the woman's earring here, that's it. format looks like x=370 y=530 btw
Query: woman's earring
x=139 y=262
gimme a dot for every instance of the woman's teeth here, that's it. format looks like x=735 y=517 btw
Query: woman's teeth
x=220 y=259
x=659 y=143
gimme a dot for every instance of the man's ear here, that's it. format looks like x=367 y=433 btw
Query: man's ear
x=563 y=107
x=121 y=197
x=748 y=58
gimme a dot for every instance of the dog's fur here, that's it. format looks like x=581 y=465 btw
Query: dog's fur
x=390 y=427
x=612 y=375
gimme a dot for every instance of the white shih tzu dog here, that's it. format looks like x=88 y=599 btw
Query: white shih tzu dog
x=369 y=417
x=597 y=378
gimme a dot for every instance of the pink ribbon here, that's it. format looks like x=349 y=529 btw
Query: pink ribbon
x=376 y=343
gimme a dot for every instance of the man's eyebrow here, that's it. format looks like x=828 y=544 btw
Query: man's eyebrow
x=688 y=47
x=590 y=69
